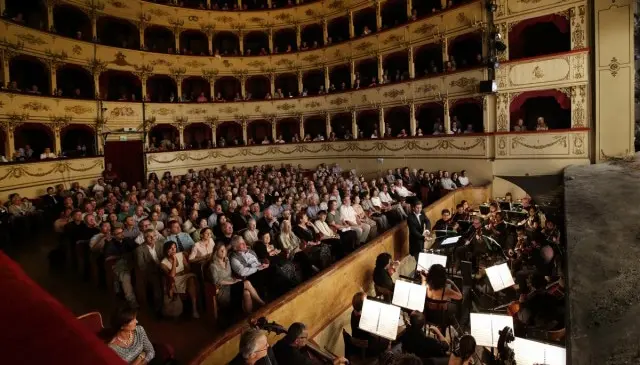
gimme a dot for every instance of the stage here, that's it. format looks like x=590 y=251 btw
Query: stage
x=602 y=205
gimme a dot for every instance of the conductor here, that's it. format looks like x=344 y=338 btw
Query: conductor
x=419 y=229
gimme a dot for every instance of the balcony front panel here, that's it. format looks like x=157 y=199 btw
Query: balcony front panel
x=414 y=148
x=530 y=8
x=566 y=69
x=43 y=108
x=573 y=144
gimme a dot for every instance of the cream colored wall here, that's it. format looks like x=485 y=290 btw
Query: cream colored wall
x=501 y=187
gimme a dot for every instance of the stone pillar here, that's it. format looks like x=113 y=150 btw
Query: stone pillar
x=241 y=42
x=10 y=145
x=327 y=124
x=352 y=69
x=214 y=133
x=577 y=18
x=274 y=129
x=489 y=113
x=243 y=86
x=447 y=118
x=412 y=65
x=327 y=81
x=409 y=8
x=244 y=131
x=176 y=35
x=57 y=141
x=445 y=49
x=413 y=124
x=272 y=83
x=354 y=123
x=143 y=82
x=53 y=79
x=378 y=6
x=94 y=27
x=325 y=31
x=300 y=84
x=147 y=138
x=181 y=134
x=380 y=68
x=212 y=88
x=210 y=42
x=298 y=37
x=270 y=40
x=301 y=127
x=381 y=126
x=50 y=23
x=352 y=30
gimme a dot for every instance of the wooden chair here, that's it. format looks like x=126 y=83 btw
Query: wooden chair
x=355 y=350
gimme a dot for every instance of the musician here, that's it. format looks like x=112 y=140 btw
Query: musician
x=551 y=232
x=539 y=308
x=376 y=345
x=440 y=291
x=445 y=223
x=493 y=209
x=253 y=348
x=415 y=341
x=419 y=227
x=461 y=214
x=542 y=262
x=497 y=229
x=291 y=350
x=463 y=353
x=474 y=242
x=385 y=267
x=532 y=222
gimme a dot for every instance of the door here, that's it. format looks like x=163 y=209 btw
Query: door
x=127 y=159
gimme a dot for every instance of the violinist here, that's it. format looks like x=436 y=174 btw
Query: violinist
x=445 y=223
x=493 y=209
x=292 y=348
x=474 y=243
x=498 y=231
x=440 y=291
x=532 y=222
x=382 y=273
x=539 y=308
x=551 y=232
x=461 y=214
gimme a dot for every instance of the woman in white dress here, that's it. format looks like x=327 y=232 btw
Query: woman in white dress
x=203 y=248
x=179 y=280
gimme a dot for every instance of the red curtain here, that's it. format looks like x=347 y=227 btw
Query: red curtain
x=561 y=98
x=40 y=330
x=515 y=40
x=127 y=158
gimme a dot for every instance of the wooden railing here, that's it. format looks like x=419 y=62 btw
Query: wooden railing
x=326 y=296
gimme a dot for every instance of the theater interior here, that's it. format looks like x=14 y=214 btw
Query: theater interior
x=299 y=182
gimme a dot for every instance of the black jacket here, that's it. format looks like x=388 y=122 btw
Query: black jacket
x=416 y=228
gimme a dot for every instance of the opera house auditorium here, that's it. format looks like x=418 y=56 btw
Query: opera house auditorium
x=307 y=182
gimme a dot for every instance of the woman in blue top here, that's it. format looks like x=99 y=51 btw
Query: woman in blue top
x=129 y=340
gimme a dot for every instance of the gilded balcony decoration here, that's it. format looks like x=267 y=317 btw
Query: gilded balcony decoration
x=528 y=8
x=384 y=42
x=550 y=144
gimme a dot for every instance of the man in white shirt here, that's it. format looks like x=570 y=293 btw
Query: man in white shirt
x=47 y=154
x=386 y=200
x=144 y=226
x=97 y=242
x=244 y=262
x=402 y=191
x=99 y=186
x=446 y=182
x=350 y=218
x=463 y=179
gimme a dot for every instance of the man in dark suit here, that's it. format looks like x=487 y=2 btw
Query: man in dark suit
x=148 y=256
x=52 y=204
x=419 y=227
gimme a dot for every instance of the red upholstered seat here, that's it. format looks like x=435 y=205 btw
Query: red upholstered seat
x=39 y=330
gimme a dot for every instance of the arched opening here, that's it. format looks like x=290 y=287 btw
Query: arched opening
x=159 y=39
x=31 y=75
x=162 y=89
x=524 y=37
x=229 y=134
x=311 y=36
x=367 y=72
x=394 y=13
x=257 y=87
x=466 y=116
x=425 y=7
x=118 y=32
x=396 y=67
x=551 y=105
x=428 y=60
x=341 y=125
x=287 y=128
x=120 y=85
x=368 y=121
x=364 y=21
x=338 y=29
x=313 y=82
x=397 y=120
x=255 y=4
x=31 y=13
x=259 y=131
x=75 y=82
x=286 y=83
x=78 y=140
x=465 y=51
x=227 y=87
x=164 y=137
x=256 y=43
x=34 y=136
x=197 y=135
x=429 y=119
x=226 y=43
x=284 y=40
x=314 y=127
x=196 y=89
x=72 y=22
x=194 y=42
x=340 y=77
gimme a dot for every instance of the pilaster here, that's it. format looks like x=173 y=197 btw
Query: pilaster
x=412 y=119
x=327 y=124
x=412 y=65
x=352 y=30
x=447 y=118
x=381 y=125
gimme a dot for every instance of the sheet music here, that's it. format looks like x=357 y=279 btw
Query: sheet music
x=426 y=260
x=500 y=277
x=380 y=319
x=529 y=352
x=409 y=295
x=485 y=328
x=450 y=241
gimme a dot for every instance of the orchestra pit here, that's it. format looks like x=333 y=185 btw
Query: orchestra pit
x=307 y=182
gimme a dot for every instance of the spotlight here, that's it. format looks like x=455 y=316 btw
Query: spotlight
x=500 y=46
x=492 y=6
x=497 y=36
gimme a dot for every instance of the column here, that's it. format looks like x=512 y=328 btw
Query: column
x=298 y=37
x=214 y=132
x=412 y=65
x=301 y=127
x=446 y=121
x=378 y=15
x=484 y=36
x=412 y=120
x=178 y=81
x=143 y=82
x=325 y=31
x=3 y=6
x=94 y=28
x=269 y=4
x=243 y=87
x=445 y=50
x=100 y=141
x=96 y=84
x=270 y=40
x=239 y=4
x=327 y=81
x=50 y=22
x=53 y=82
x=244 y=131
x=489 y=113
x=381 y=126
x=10 y=142
x=443 y=3
x=274 y=129
x=208 y=4
x=352 y=69
x=503 y=29
x=327 y=124
x=57 y=141
x=352 y=30
x=380 y=68
x=141 y=33
x=176 y=34
x=354 y=123
x=577 y=17
x=212 y=88
x=147 y=137
x=300 y=84
x=181 y=134
x=409 y=8
x=210 y=42
x=241 y=42
x=272 y=83
x=6 y=76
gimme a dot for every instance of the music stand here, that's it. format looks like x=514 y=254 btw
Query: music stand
x=426 y=260
x=380 y=319
x=528 y=352
x=485 y=327
x=484 y=209
x=500 y=277
x=409 y=295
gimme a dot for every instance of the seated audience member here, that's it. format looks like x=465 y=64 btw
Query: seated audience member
x=385 y=267
x=541 y=125
x=143 y=226
x=128 y=339
x=253 y=348
x=364 y=217
x=374 y=212
x=226 y=233
x=292 y=350
x=244 y=262
x=148 y=256
x=520 y=127
x=350 y=219
x=202 y=224
x=446 y=183
x=231 y=290
x=118 y=258
x=319 y=251
x=269 y=223
x=415 y=341
x=250 y=235
x=463 y=180
x=178 y=279
x=290 y=245
x=203 y=249
x=47 y=154
x=466 y=350
x=182 y=240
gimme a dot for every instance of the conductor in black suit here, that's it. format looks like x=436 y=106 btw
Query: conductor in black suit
x=419 y=227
